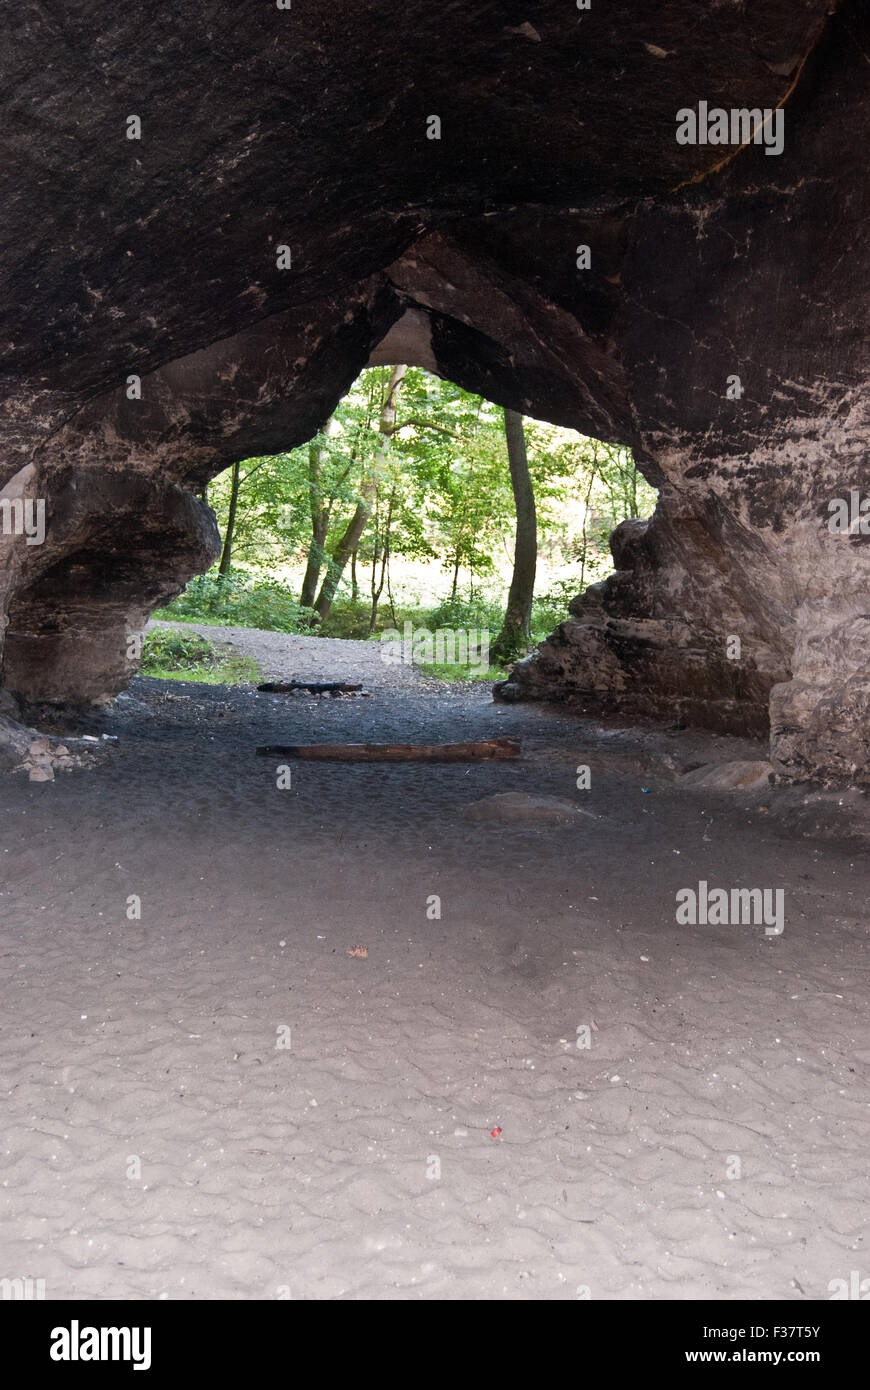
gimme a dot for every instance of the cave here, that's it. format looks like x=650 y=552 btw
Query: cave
x=217 y=285
x=214 y=219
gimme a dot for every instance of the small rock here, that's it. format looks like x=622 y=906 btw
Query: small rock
x=41 y=773
x=728 y=776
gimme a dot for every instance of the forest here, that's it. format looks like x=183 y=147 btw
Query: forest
x=420 y=502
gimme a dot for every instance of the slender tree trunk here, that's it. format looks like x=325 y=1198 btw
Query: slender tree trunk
x=368 y=488
x=584 y=540
x=354 y=580
x=390 y=596
x=320 y=513
x=513 y=640
x=227 y=552
x=319 y=528
x=378 y=585
x=344 y=550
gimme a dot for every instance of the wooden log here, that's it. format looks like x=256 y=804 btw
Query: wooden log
x=315 y=687
x=396 y=752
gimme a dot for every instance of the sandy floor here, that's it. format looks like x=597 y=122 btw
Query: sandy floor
x=159 y=1141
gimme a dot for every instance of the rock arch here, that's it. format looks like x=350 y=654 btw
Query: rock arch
x=155 y=259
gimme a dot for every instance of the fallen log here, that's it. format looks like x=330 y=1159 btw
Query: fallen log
x=314 y=687
x=395 y=752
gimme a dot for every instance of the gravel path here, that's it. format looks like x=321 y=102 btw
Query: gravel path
x=286 y=656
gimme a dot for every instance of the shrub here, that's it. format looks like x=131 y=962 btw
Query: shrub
x=174 y=649
x=172 y=654
x=551 y=609
x=477 y=612
x=238 y=600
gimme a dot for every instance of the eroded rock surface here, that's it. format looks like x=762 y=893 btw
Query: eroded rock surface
x=151 y=337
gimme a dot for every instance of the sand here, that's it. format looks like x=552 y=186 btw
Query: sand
x=217 y=1100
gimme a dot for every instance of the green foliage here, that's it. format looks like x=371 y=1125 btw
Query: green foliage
x=176 y=650
x=551 y=608
x=232 y=670
x=350 y=620
x=271 y=518
x=438 y=492
x=585 y=488
x=461 y=672
x=171 y=654
x=239 y=600
x=474 y=611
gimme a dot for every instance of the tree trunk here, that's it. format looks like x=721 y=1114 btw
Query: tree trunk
x=584 y=539
x=319 y=517
x=513 y=640
x=396 y=752
x=319 y=528
x=455 y=573
x=354 y=581
x=368 y=487
x=378 y=587
x=227 y=552
x=344 y=549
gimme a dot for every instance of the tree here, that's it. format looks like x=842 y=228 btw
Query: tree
x=227 y=551
x=513 y=640
x=468 y=501
x=357 y=524
x=411 y=466
x=320 y=509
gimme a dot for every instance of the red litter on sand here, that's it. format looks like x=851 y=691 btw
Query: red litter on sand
x=494 y=1133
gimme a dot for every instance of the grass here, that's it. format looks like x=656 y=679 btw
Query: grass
x=458 y=671
x=243 y=600
x=170 y=654
x=238 y=600
x=234 y=670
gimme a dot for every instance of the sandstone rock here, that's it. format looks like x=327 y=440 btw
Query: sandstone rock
x=707 y=264
x=14 y=743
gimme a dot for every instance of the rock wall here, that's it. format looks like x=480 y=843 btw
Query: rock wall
x=304 y=193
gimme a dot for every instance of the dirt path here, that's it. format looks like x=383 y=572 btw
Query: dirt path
x=215 y=1100
x=286 y=657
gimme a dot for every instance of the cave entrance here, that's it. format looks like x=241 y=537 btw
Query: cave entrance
x=407 y=521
